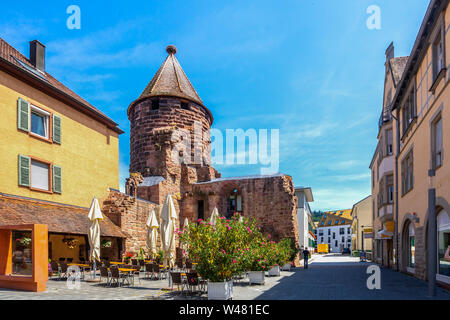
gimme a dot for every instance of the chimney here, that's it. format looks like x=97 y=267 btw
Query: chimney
x=37 y=55
x=390 y=52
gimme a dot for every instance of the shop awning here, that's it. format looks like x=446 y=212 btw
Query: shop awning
x=60 y=218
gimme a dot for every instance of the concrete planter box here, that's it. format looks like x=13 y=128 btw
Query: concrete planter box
x=286 y=267
x=257 y=277
x=275 y=271
x=220 y=290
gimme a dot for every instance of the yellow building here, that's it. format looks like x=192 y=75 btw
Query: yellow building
x=57 y=151
x=362 y=222
x=419 y=116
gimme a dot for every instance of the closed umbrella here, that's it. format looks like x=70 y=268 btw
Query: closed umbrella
x=95 y=216
x=168 y=218
x=152 y=232
x=214 y=216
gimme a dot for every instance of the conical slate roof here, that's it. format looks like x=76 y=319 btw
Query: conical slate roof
x=170 y=80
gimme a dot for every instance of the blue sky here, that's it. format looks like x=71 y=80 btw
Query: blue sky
x=309 y=68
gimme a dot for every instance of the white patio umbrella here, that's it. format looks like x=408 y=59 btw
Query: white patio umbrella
x=168 y=218
x=152 y=232
x=214 y=216
x=95 y=216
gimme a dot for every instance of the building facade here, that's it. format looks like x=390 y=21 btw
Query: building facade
x=334 y=229
x=420 y=116
x=57 y=153
x=306 y=226
x=362 y=225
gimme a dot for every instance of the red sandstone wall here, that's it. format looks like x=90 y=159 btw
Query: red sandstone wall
x=151 y=130
x=271 y=201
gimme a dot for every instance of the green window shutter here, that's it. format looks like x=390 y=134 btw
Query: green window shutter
x=24 y=171
x=56 y=129
x=23 y=114
x=57 y=179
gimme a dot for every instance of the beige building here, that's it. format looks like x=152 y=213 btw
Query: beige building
x=362 y=222
x=419 y=117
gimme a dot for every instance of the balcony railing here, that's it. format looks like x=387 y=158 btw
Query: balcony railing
x=384 y=118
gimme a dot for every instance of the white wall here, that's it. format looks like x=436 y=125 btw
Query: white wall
x=328 y=239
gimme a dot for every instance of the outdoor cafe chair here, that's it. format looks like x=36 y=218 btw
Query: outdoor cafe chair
x=136 y=272
x=63 y=270
x=193 y=281
x=55 y=268
x=148 y=270
x=104 y=273
x=180 y=264
x=107 y=264
x=118 y=276
x=178 y=281
x=158 y=272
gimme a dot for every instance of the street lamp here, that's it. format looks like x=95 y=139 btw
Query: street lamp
x=432 y=237
x=362 y=238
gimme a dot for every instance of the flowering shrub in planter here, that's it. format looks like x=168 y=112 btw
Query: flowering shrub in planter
x=231 y=247
x=218 y=248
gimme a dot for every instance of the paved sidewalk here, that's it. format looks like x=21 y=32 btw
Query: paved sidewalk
x=338 y=277
x=329 y=277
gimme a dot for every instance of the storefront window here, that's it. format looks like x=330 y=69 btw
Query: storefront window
x=21 y=249
x=412 y=245
x=443 y=223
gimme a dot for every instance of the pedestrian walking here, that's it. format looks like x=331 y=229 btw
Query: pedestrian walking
x=305 y=258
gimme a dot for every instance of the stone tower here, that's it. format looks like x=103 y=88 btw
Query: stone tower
x=169 y=130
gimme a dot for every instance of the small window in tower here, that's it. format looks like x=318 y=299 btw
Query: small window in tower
x=185 y=106
x=155 y=104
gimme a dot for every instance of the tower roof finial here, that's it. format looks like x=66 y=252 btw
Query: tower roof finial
x=171 y=49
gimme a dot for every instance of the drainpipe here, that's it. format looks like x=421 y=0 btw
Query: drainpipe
x=397 y=153
x=432 y=235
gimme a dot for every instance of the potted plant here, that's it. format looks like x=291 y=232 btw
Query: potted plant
x=106 y=243
x=283 y=251
x=218 y=251
x=261 y=259
x=127 y=257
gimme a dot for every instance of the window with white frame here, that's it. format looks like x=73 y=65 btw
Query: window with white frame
x=39 y=121
x=40 y=175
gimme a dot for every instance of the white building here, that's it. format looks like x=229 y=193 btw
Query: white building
x=335 y=229
x=306 y=226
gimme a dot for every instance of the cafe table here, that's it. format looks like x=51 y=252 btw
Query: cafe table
x=80 y=265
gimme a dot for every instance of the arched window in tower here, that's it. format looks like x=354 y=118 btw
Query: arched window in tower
x=234 y=203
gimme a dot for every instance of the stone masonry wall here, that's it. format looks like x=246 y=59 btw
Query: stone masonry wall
x=271 y=201
x=151 y=131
